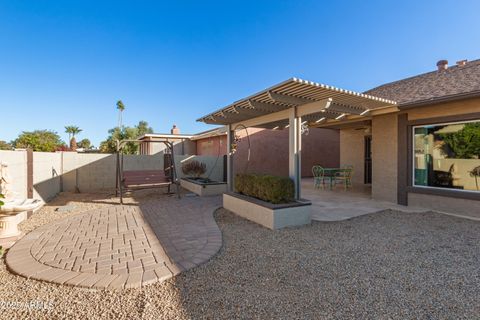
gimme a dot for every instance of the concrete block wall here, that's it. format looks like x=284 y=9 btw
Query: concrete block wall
x=16 y=162
x=69 y=171
x=214 y=165
x=88 y=171
x=47 y=169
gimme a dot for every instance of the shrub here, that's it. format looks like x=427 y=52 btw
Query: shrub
x=194 y=168
x=269 y=188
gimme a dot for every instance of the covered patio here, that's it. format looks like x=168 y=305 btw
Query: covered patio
x=338 y=204
x=295 y=105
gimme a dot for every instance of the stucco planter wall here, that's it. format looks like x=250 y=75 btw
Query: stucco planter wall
x=266 y=214
x=204 y=189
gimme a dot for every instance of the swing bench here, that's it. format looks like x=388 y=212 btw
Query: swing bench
x=130 y=180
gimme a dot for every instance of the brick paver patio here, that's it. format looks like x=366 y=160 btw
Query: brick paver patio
x=121 y=246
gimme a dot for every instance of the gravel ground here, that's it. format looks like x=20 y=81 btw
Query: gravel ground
x=388 y=265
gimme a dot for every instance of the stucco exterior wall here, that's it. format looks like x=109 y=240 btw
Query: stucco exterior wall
x=212 y=146
x=430 y=114
x=465 y=207
x=352 y=152
x=385 y=157
x=445 y=109
x=320 y=147
x=269 y=150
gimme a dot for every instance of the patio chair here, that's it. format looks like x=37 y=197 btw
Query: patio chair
x=344 y=176
x=318 y=176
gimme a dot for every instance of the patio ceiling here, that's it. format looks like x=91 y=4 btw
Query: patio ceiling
x=320 y=103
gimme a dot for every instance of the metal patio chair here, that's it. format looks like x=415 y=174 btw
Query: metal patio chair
x=319 y=176
x=344 y=177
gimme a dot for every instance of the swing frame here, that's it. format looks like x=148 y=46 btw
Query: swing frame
x=142 y=177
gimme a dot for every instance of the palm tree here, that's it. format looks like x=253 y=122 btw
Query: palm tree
x=72 y=131
x=120 y=108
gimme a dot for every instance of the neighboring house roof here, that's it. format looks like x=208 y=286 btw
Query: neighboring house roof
x=201 y=135
x=165 y=136
x=210 y=133
x=453 y=83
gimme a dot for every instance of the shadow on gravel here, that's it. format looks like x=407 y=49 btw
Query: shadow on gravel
x=383 y=265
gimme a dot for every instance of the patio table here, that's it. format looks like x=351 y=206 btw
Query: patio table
x=331 y=172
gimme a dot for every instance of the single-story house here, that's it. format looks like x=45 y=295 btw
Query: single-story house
x=416 y=141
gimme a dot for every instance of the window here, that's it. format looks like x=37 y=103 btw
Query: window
x=447 y=156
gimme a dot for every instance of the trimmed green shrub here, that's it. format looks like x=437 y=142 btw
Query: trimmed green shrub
x=268 y=188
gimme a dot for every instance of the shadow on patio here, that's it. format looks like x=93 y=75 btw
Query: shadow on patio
x=338 y=204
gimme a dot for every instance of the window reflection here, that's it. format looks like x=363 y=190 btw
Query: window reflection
x=448 y=156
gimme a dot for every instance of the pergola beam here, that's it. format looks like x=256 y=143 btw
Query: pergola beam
x=264 y=106
x=303 y=110
x=313 y=107
x=348 y=109
x=288 y=99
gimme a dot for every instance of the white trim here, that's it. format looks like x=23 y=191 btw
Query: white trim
x=166 y=136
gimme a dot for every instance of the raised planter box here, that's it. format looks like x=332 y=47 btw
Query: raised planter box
x=272 y=216
x=204 y=188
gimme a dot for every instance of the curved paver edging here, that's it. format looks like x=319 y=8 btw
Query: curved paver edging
x=120 y=246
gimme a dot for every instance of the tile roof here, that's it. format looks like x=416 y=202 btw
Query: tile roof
x=432 y=86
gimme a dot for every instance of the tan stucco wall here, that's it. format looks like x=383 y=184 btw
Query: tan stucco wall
x=442 y=203
x=352 y=149
x=470 y=208
x=212 y=146
x=269 y=150
x=445 y=109
x=384 y=157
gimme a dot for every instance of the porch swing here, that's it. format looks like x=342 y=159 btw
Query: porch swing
x=130 y=180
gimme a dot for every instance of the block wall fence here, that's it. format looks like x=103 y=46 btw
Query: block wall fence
x=54 y=172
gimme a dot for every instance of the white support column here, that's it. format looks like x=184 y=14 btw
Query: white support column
x=295 y=150
x=230 y=178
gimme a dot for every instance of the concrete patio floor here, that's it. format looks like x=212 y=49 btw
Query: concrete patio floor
x=338 y=204
x=121 y=246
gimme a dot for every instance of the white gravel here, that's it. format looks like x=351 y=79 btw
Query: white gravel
x=386 y=265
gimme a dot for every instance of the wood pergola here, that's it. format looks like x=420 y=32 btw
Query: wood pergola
x=290 y=105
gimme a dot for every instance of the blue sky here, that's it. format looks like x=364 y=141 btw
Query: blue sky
x=68 y=62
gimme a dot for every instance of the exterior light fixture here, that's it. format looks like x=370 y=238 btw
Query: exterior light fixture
x=287 y=126
x=304 y=128
x=275 y=128
x=320 y=120
x=340 y=116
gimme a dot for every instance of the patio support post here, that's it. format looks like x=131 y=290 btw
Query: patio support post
x=295 y=149
x=230 y=137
